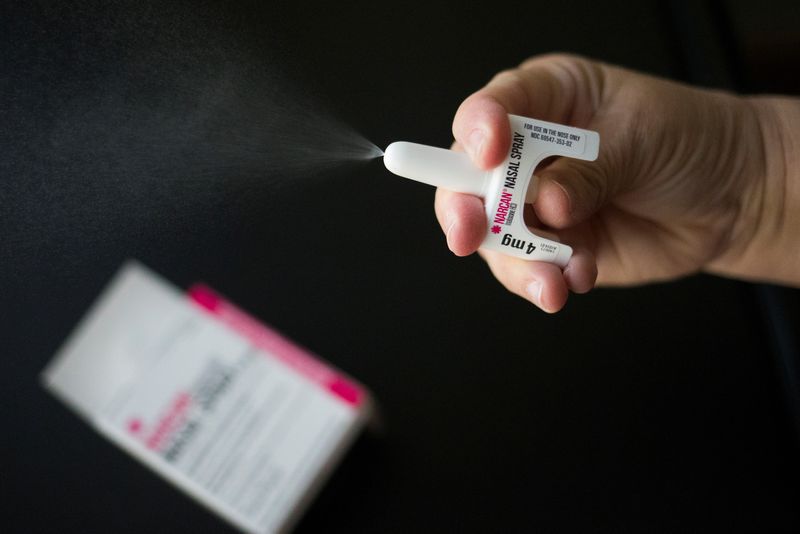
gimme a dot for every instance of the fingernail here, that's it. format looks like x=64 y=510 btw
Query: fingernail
x=568 y=197
x=475 y=143
x=450 y=221
x=567 y=272
x=534 y=290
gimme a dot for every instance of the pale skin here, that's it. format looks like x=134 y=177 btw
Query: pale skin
x=687 y=180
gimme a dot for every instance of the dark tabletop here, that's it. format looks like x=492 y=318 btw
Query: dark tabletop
x=647 y=409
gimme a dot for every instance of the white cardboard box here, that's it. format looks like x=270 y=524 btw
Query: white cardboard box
x=220 y=405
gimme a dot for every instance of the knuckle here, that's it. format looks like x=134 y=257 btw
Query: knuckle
x=553 y=58
x=509 y=87
x=597 y=187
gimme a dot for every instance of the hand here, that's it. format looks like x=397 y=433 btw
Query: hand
x=679 y=185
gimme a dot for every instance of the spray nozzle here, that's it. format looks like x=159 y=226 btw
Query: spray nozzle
x=503 y=188
x=435 y=166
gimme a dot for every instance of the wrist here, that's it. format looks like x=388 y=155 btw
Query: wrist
x=765 y=245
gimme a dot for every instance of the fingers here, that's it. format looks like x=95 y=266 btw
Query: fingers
x=462 y=219
x=543 y=284
x=569 y=191
x=556 y=88
x=481 y=127
x=580 y=273
x=546 y=87
x=540 y=283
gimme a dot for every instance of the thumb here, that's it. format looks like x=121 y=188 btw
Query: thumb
x=570 y=191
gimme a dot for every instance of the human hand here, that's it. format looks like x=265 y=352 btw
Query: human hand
x=679 y=185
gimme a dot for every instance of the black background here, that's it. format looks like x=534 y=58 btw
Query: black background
x=648 y=409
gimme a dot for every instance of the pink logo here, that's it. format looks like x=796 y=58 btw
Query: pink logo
x=496 y=229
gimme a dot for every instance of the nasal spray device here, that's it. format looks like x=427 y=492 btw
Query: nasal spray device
x=503 y=189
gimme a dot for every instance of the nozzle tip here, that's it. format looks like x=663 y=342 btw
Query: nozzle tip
x=393 y=157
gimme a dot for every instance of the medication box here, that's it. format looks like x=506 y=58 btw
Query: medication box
x=222 y=406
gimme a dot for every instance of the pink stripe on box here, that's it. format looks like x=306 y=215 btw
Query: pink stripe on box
x=276 y=345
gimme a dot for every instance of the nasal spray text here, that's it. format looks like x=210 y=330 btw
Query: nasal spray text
x=504 y=188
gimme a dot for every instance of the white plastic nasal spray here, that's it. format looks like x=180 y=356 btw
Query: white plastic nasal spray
x=503 y=189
